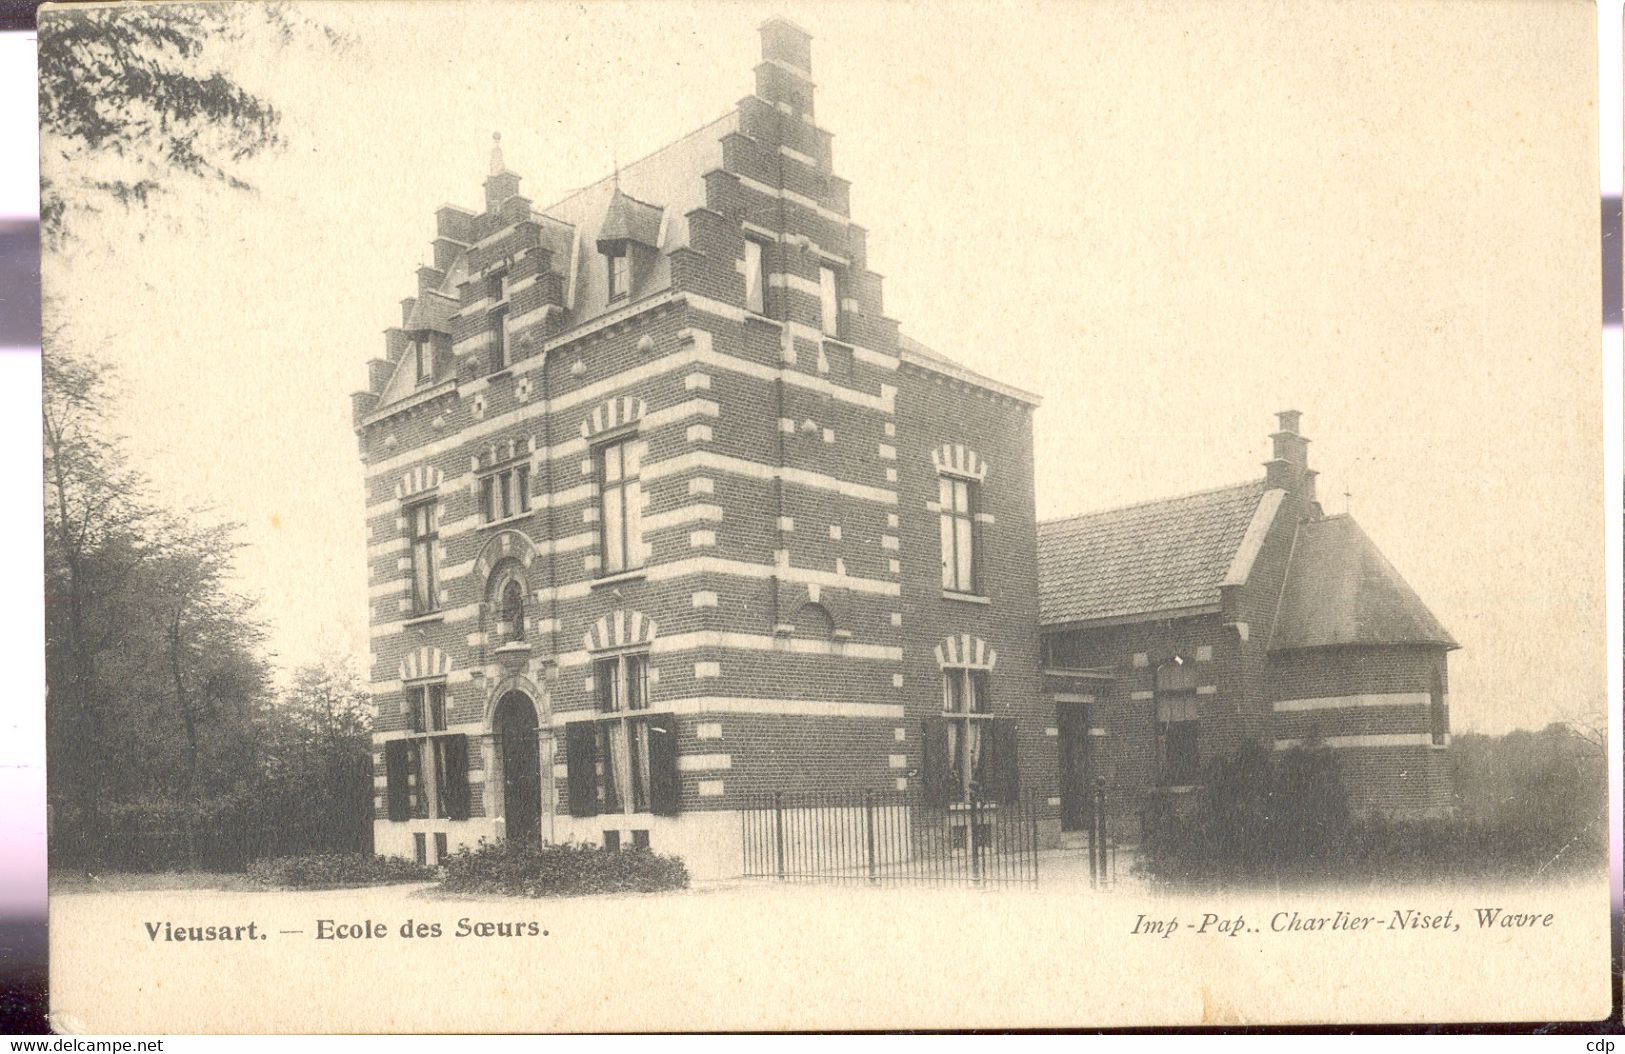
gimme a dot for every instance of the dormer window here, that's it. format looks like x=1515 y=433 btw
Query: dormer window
x=620 y=273
x=423 y=351
x=627 y=222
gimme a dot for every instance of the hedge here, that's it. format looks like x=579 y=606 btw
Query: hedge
x=331 y=870
x=519 y=869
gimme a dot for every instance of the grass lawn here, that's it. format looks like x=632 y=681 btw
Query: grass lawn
x=77 y=880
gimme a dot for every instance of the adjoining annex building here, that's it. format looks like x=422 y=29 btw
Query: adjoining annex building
x=1181 y=630
x=665 y=516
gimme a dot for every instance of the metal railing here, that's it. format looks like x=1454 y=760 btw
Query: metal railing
x=881 y=837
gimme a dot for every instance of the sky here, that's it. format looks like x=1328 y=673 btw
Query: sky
x=1171 y=222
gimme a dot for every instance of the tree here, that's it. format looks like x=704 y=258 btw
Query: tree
x=93 y=515
x=133 y=98
x=317 y=759
x=154 y=668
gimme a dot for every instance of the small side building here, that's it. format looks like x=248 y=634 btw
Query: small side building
x=1183 y=630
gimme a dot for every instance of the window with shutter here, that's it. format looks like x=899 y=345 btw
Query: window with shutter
x=665 y=790
x=397 y=778
x=581 y=759
x=625 y=775
x=454 y=780
x=1002 y=777
x=937 y=775
x=967 y=705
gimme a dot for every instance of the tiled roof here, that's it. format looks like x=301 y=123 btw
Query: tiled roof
x=1155 y=556
x=1341 y=590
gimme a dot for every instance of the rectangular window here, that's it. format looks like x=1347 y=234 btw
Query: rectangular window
x=640 y=839
x=440 y=848
x=620 y=275
x=755 y=277
x=423 y=349
x=958 y=533
x=421 y=523
x=620 y=505
x=968 y=707
x=427 y=706
x=1438 y=719
x=1177 y=728
x=622 y=686
x=612 y=841
x=829 y=298
x=505 y=494
x=427 y=771
x=499 y=339
x=420 y=847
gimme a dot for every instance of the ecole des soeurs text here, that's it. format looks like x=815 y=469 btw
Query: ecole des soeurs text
x=330 y=930
x=1402 y=919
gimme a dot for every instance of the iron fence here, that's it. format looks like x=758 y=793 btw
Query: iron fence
x=884 y=837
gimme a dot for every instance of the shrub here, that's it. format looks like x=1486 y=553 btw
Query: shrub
x=1257 y=815
x=329 y=870
x=1529 y=805
x=520 y=869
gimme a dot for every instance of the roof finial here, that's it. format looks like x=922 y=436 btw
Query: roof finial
x=497 y=167
x=615 y=159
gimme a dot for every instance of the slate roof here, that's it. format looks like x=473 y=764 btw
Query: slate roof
x=628 y=219
x=1341 y=590
x=1155 y=556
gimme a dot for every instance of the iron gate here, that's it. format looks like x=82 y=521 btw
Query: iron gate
x=885 y=837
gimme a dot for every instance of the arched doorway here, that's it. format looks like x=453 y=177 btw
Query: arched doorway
x=515 y=726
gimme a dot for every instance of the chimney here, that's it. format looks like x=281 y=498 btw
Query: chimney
x=784 y=76
x=1289 y=469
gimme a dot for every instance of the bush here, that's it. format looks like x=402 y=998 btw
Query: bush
x=1528 y=806
x=519 y=869
x=1257 y=815
x=330 y=870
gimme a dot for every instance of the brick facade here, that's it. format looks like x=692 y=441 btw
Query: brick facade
x=785 y=590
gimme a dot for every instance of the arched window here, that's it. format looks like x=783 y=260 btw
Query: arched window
x=813 y=622
x=505 y=593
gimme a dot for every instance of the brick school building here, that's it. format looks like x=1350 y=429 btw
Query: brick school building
x=665 y=515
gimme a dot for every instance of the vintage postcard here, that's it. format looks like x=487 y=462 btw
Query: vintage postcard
x=733 y=516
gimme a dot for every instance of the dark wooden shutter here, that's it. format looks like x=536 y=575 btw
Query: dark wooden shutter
x=940 y=783
x=454 y=753
x=665 y=791
x=1003 y=779
x=580 y=757
x=397 y=758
